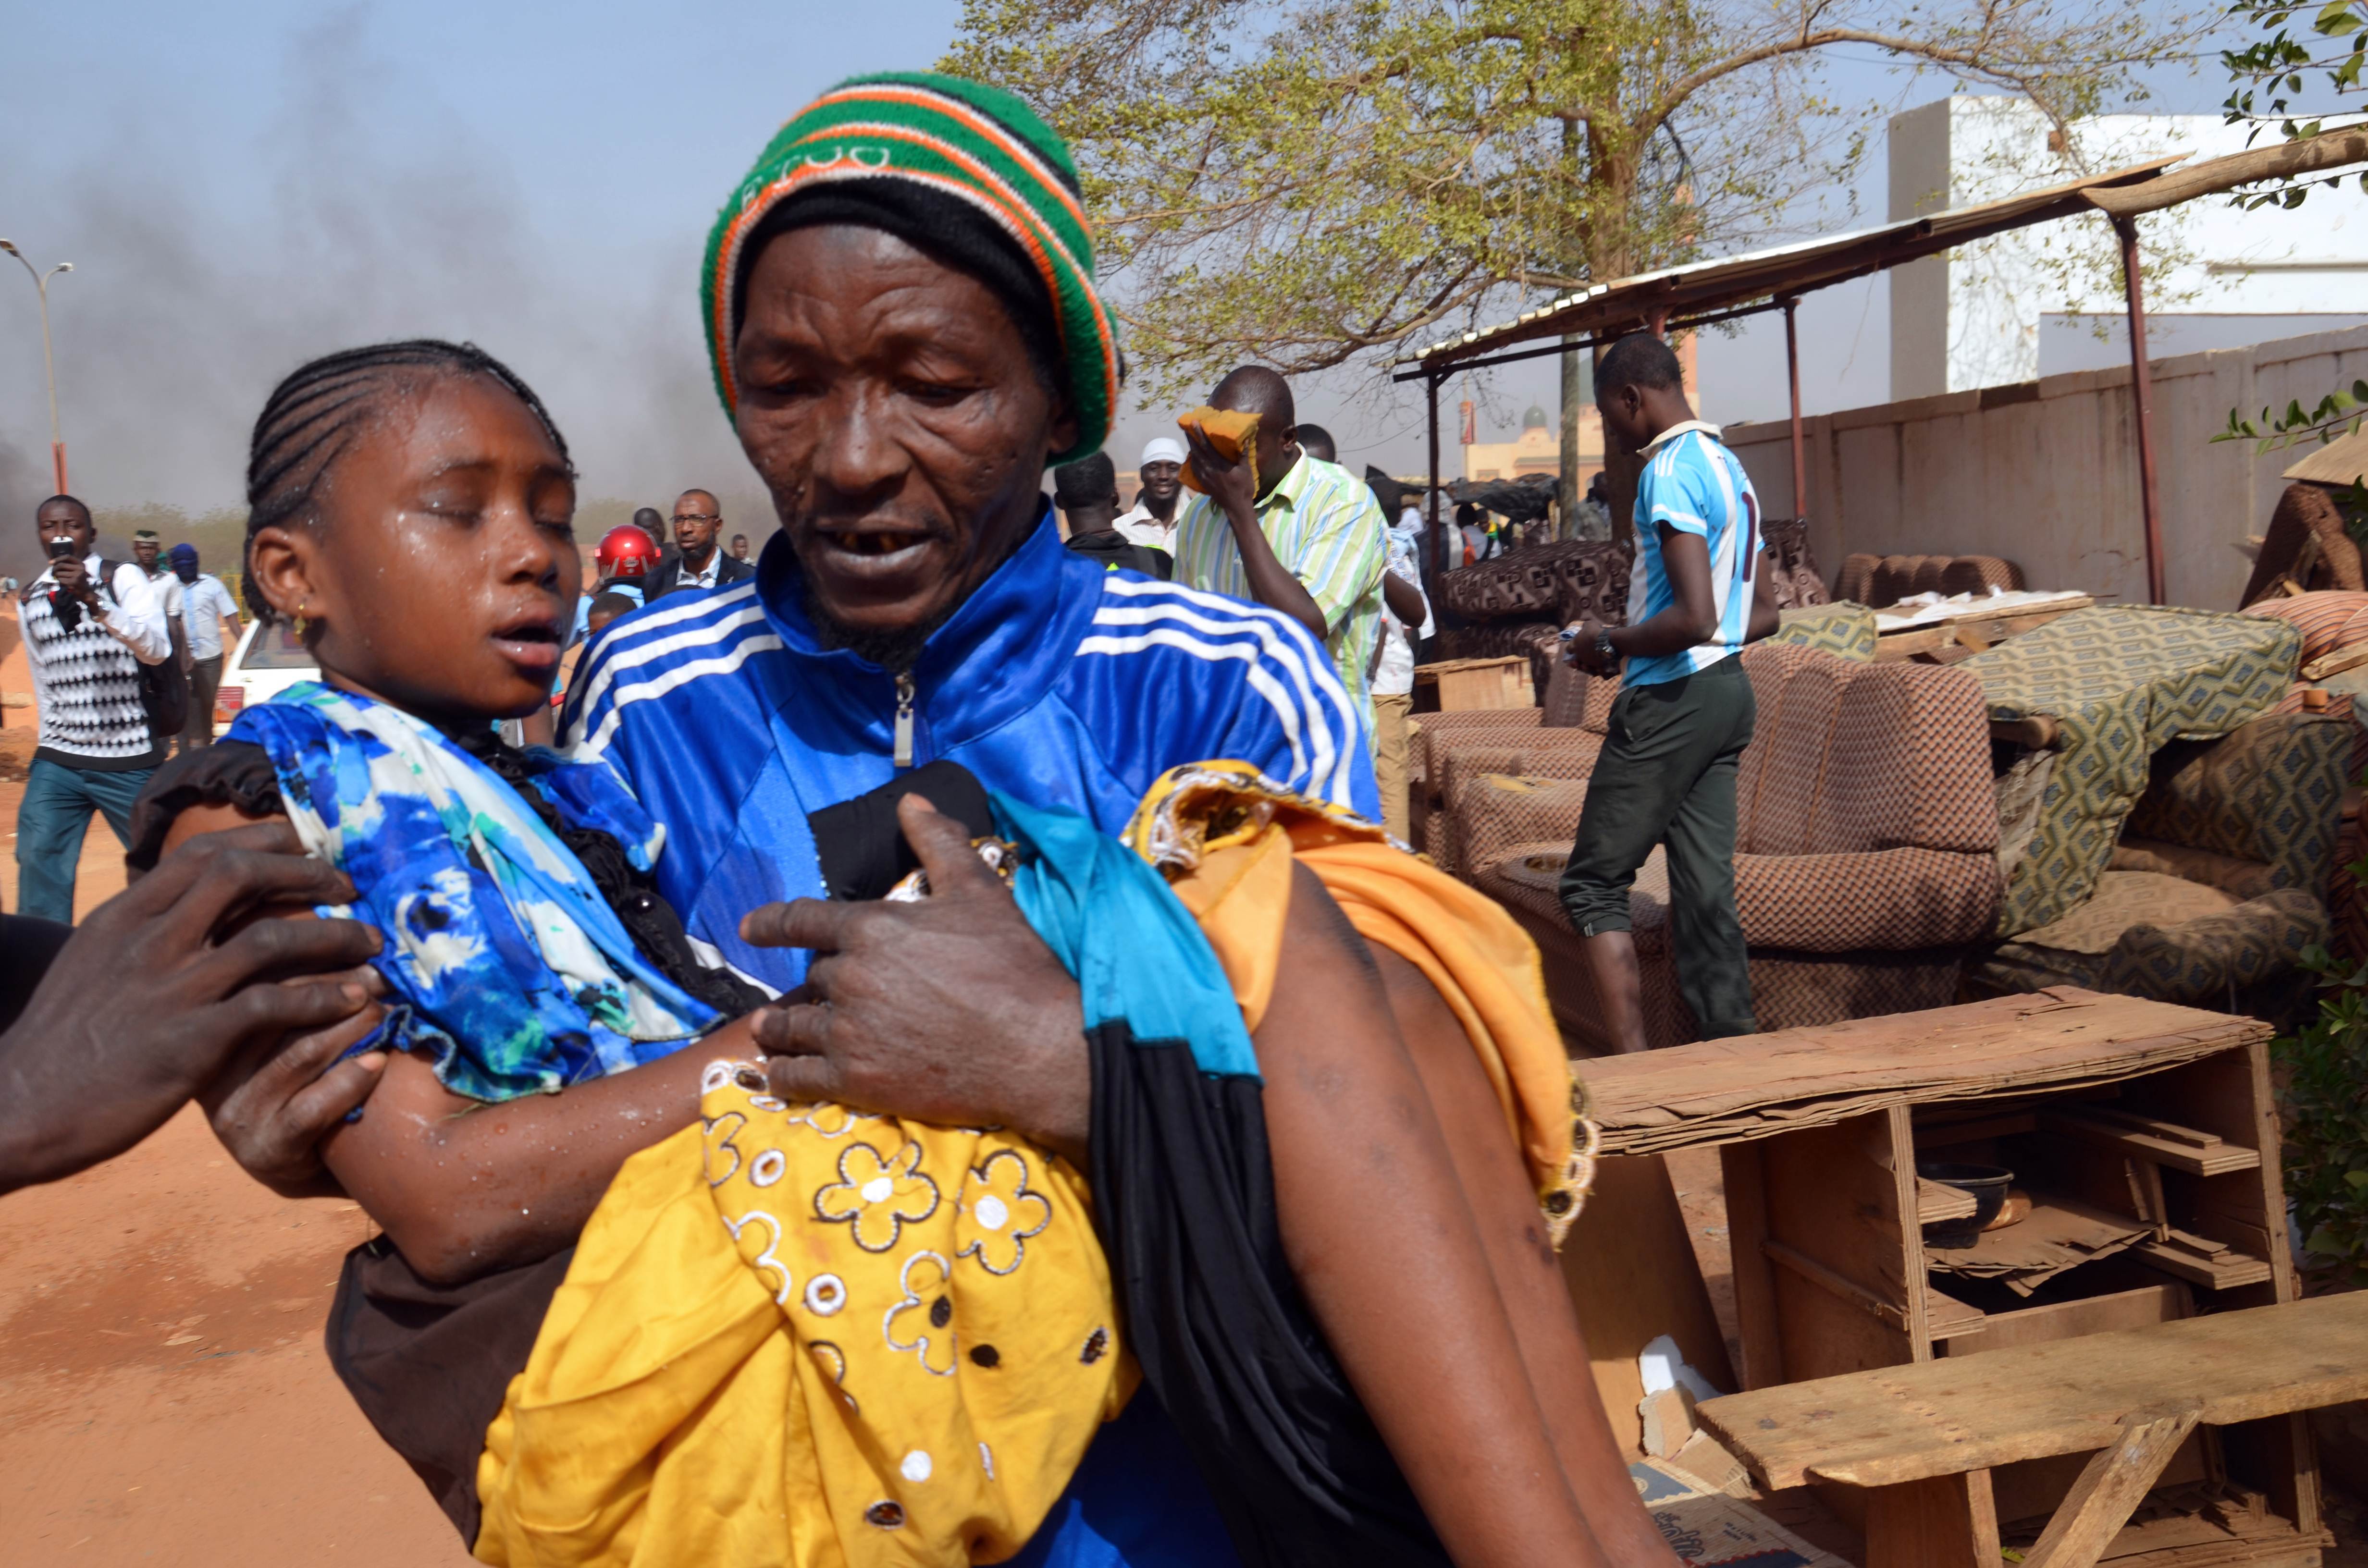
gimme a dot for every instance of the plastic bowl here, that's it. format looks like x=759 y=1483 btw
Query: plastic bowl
x=1987 y=1183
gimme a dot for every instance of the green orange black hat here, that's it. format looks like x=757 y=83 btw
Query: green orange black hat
x=919 y=139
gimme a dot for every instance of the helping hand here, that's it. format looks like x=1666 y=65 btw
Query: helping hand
x=272 y=1108
x=950 y=1010
x=147 y=1002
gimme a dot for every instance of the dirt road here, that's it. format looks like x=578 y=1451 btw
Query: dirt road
x=164 y=1397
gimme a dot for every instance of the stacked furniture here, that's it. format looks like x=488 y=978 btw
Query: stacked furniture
x=1560 y=737
x=2182 y=836
x=2334 y=681
x=1866 y=843
x=1880 y=581
x=1517 y=602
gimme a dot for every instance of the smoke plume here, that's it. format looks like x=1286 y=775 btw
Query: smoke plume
x=182 y=312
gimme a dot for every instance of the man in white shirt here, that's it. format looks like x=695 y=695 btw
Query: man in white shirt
x=144 y=546
x=1405 y=621
x=85 y=641
x=1152 y=522
x=206 y=607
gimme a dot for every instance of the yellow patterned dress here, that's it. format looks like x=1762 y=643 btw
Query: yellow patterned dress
x=796 y=1334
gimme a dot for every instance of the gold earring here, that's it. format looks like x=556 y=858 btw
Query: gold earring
x=304 y=622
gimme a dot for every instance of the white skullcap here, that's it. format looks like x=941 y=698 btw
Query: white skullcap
x=1162 y=450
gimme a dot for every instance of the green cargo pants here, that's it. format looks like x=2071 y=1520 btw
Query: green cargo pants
x=1666 y=776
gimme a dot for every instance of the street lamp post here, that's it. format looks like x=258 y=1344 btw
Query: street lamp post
x=49 y=361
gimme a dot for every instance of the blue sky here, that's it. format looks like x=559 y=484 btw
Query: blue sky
x=241 y=186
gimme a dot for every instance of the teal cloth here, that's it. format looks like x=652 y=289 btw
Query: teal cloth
x=1135 y=951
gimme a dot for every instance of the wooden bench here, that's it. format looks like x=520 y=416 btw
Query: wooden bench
x=1921 y=1439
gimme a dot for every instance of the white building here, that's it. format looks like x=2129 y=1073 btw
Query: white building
x=2048 y=299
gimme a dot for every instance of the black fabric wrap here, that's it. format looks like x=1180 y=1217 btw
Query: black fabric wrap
x=431 y=1364
x=230 y=773
x=239 y=773
x=942 y=226
x=27 y=948
x=1184 y=1201
x=860 y=843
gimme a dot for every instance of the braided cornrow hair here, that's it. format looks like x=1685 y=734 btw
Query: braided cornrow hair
x=312 y=416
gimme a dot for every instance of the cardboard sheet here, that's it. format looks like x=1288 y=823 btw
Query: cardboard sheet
x=2060 y=1233
x=1710 y=1529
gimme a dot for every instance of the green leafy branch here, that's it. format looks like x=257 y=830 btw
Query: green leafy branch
x=2338 y=414
x=2270 y=72
x=2326 y=1119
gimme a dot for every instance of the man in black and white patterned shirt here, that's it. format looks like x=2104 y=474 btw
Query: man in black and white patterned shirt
x=86 y=641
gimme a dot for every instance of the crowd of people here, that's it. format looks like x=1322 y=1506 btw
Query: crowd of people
x=937 y=923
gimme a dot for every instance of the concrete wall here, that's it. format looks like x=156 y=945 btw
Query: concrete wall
x=2045 y=473
x=1971 y=318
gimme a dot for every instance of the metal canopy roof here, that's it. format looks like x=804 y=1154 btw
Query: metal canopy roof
x=1705 y=290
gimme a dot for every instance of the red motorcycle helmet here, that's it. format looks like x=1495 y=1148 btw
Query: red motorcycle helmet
x=625 y=552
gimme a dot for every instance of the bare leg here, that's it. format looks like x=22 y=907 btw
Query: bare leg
x=1619 y=987
x=1528 y=1278
x=1386 y=1250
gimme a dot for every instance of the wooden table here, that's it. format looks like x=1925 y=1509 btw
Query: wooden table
x=1975 y=629
x=1926 y=1438
x=2157 y=1118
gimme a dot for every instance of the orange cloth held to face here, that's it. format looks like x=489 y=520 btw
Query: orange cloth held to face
x=1232 y=433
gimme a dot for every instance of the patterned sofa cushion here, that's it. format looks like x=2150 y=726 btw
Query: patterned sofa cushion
x=1790 y=988
x=1433 y=736
x=1913 y=769
x=1556 y=582
x=2327 y=620
x=1845 y=630
x=1790 y=563
x=1594 y=579
x=2121 y=683
x=2239 y=879
x=1889 y=901
x=1494 y=811
x=2202 y=961
x=2210 y=956
x=2272 y=792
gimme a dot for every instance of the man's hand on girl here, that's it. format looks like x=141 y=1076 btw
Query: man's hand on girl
x=949 y=1009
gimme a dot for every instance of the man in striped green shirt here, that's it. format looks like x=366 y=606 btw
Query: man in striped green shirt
x=1291 y=532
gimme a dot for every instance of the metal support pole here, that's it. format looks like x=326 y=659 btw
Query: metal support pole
x=1793 y=366
x=49 y=362
x=2141 y=397
x=50 y=370
x=1437 y=539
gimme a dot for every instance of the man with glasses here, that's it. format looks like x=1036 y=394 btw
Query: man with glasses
x=695 y=561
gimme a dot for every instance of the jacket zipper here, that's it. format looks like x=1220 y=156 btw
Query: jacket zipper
x=905 y=718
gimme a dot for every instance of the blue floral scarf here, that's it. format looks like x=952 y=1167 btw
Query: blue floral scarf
x=508 y=969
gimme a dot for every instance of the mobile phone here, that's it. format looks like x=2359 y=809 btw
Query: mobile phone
x=61 y=548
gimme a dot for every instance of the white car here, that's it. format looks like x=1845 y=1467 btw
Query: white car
x=268 y=661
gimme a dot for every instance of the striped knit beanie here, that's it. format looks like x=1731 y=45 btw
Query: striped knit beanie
x=907 y=151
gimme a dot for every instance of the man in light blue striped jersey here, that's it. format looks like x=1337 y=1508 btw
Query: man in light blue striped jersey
x=1667 y=771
